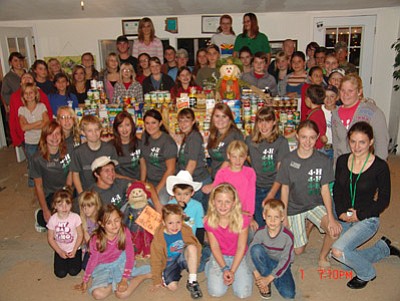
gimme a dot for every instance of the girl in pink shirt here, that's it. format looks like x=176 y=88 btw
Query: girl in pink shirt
x=111 y=262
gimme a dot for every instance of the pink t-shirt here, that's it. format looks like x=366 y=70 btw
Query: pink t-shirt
x=244 y=182
x=65 y=233
x=227 y=240
x=110 y=254
x=346 y=114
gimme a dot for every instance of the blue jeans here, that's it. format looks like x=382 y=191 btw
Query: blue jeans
x=30 y=150
x=242 y=284
x=354 y=235
x=265 y=265
x=261 y=193
x=201 y=196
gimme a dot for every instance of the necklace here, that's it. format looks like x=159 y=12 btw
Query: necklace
x=353 y=189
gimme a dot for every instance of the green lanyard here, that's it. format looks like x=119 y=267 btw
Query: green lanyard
x=353 y=190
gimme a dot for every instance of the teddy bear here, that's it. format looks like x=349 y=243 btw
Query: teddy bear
x=137 y=195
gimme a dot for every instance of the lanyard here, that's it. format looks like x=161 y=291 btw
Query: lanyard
x=354 y=189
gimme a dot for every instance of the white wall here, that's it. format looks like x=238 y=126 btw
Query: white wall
x=75 y=36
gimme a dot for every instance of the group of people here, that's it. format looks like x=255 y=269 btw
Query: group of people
x=243 y=213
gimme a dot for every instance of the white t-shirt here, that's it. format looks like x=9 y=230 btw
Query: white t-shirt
x=328 y=118
x=224 y=42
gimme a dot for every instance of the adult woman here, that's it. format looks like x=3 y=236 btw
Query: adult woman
x=201 y=60
x=143 y=68
x=127 y=145
x=361 y=193
x=110 y=75
x=355 y=109
x=54 y=68
x=147 y=41
x=17 y=135
x=11 y=80
x=87 y=60
x=223 y=130
x=41 y=73
x=225 y=38
x=50 y=170
x=184 y=82
x=127 y=86
x=191 y=156
x=252 y=37
x=158 y=154
x=157 y=80
x=305 y=175
x=67 y=119
x=80 y=85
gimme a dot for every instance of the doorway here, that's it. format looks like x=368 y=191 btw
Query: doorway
x=358 y=32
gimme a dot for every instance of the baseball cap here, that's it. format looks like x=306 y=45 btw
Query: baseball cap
x=102 y=161
x=121 y=39
x=340 y=45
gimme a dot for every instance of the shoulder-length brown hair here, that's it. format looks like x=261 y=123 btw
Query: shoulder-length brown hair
x=140 y=29
x=265 y=114
x=254 y=29
x=215 y=138
x=47 y=130
x=121 y=116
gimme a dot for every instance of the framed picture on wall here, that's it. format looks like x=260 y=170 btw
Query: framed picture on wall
x=209 y=24
x=130 y=27
x=276 y=46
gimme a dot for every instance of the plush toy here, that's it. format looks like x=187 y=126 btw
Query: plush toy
x=228 y=86
x=137 y=195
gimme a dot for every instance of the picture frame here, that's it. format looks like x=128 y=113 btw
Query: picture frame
x=276 y=46
x=130 y=27
x=210 y=24
x=171 y=25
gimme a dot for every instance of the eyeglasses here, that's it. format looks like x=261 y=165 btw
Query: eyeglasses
x=126 y=70
x=66 y=117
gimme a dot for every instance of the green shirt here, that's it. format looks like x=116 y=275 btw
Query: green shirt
x=259 y=43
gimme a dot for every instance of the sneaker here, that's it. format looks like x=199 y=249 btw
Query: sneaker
x=38 y=227
x=194 y=289
x=266 y=296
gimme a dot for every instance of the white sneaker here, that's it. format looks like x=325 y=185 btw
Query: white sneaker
x=39 y=228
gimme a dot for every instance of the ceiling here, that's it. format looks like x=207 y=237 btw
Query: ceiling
x=12 y=10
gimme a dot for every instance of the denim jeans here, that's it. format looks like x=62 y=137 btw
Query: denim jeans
x=242 y=284
x=354 y=235
x=264 y=265
x=261 y=193
x=201 y=196
x=30 y=150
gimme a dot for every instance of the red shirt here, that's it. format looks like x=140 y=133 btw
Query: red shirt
x=346 y=114
x=318 y=116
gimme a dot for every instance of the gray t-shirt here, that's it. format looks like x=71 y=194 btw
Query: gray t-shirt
x=155 y=154
x=82 y=159
x=32 y=136
x=218 y=155
x=53 y=172
x=264 y=158
x=193 y=149
x=115 y=195
x=128 y=163
x=305 y=177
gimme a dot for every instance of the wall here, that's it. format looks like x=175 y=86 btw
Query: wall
x=75 y=36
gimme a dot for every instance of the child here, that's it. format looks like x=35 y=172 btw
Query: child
x=32 y=117
x=62 y=97
x=331 y=63
x=89 y=205
x=111 y=262
x=295 y=80
x=173 y=249
x=183 y=188
x=332 y=95
x=227 y=230
x=315 y=77
x=280 y=71
x=266 y=151
x=315 y=96
x=184 y=83
x=127 y=86
x=84 y=154
x=65 y=235
x=271 y=253
x=242 y=178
